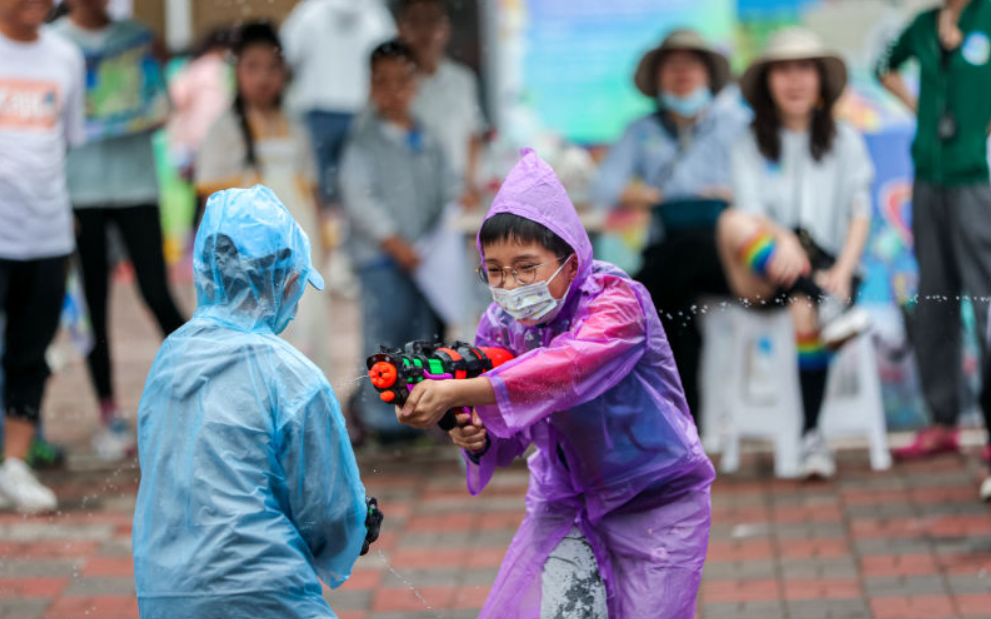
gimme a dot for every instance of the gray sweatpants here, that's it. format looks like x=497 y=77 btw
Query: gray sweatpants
x=571 y=587
x=952 y=230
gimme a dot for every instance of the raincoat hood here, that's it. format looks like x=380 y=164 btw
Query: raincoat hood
x=251 y=261
x=533 y=191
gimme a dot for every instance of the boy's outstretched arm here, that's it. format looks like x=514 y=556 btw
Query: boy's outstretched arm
x=325 y=493
x=430 y=399
x=576 y=366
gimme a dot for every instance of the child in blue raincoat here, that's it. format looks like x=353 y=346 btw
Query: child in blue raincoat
x=618 y=509
x=249 y=488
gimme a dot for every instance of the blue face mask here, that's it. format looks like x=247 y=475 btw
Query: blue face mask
x=689 y=105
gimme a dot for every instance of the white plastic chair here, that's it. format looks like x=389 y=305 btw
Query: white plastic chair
x=750 y=389
x=854 y=406
x=758 y=392
x=716 y=364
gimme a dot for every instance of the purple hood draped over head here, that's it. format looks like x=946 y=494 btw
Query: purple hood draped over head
x=596 y=391
x=533 y=191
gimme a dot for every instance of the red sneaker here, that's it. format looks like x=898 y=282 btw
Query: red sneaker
x=930 y=442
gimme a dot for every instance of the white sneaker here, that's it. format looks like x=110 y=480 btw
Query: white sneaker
x=23 y=490
x=841 y=324
x=986 y=490
x=816 y=459
x=114 y=442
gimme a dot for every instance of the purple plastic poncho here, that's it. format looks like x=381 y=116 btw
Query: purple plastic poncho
x=597 y=392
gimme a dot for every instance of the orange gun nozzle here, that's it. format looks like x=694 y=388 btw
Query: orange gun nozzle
x=383 y=375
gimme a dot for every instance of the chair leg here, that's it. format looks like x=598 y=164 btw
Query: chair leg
x=786 y=457
x=731 y=454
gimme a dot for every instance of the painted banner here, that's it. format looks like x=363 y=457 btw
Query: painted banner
x=125 y=89
x=570 y=63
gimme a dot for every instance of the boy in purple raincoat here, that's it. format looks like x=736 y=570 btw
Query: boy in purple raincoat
x=618 y=509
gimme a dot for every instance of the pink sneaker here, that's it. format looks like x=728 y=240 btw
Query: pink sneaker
x=930 y=442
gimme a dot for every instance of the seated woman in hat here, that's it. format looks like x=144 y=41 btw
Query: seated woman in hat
x=802 y=204
x=679 y=156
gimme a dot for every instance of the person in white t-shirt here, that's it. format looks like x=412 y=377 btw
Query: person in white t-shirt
x=801 y=216
x=113 y=184
x=327 y=44
x=41 y=115
x=447 y=96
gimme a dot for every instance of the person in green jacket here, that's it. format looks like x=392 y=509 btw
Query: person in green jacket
x=951 y=204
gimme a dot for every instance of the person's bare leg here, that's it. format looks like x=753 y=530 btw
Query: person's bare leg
x=17 y=437
x=733 y=230
x=803 y=314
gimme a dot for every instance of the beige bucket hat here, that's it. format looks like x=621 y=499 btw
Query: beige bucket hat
x=795 y=43
x=645 y=77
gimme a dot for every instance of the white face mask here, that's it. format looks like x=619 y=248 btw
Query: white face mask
x=532 y=301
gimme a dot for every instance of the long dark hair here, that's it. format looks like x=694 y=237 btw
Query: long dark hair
x=255 y=33
x=767 y=121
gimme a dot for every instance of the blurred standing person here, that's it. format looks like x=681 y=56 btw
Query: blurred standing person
x=678 y=154
x=447 y=94
x=395 y=183
x=327 y=43
x=951 y=199
x=112 y=181
x=200 y=93
x=41 y=115
x=254 y=141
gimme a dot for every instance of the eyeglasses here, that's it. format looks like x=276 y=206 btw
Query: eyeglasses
x=496 y=276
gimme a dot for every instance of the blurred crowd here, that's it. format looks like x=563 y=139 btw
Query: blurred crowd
x=350 y=112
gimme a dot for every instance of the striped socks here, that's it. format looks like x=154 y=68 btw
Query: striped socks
x=812 y=353
x=756 y=253
x=813 y=369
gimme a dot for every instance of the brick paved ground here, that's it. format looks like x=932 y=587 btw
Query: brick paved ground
x=910 y=543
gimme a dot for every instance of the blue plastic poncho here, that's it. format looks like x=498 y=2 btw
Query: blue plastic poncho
x=249 y=486
x=597 y=392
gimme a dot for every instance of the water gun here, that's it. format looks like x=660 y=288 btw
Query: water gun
x=373 y=524
x=394 y=371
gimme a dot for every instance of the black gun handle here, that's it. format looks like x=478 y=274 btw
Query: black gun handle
x=373 y=523
x=449 y=421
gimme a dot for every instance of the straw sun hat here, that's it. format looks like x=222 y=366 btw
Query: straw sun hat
x=681 y=40
x=796 y=44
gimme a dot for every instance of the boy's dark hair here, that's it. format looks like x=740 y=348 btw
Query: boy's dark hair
x=510 y=227
x=393 y=50
x=252 y=33
x=405 y=4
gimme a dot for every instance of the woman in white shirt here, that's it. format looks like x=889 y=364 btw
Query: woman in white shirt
x=801 y=216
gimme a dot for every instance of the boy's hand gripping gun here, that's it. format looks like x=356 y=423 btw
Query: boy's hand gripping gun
x=394 y=372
